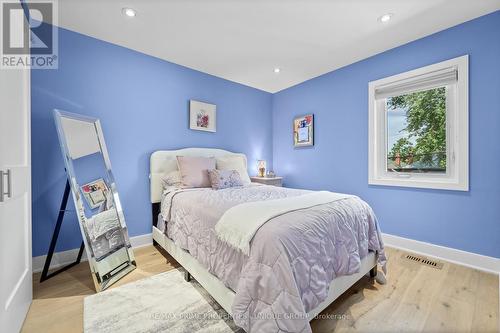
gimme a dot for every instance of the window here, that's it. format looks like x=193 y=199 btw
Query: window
x=418 y=124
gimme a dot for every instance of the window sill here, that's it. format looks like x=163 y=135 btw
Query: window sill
x=440 y=184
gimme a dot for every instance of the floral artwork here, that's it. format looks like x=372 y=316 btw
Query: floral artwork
x=303 y=131
x=202 y=116
x=202 y=119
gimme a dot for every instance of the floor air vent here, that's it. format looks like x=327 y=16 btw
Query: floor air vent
x=423 y=261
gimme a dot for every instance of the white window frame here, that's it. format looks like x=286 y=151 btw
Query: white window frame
x=457 y=132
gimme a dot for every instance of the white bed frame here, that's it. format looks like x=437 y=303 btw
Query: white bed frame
x=165 y=161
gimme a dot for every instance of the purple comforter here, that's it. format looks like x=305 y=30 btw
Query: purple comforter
x=293 y=257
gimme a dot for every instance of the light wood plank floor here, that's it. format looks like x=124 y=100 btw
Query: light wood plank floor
x=416 y=298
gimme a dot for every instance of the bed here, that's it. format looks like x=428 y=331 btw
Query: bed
x=298 y=263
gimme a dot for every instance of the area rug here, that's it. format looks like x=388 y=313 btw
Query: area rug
x=161 y=303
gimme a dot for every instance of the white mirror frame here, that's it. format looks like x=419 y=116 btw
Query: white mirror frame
x=113 y=272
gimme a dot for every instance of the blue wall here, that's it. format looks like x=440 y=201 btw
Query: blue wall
x=142 y=102
x=338 y=161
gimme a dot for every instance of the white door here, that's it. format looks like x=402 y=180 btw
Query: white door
x=15 y=199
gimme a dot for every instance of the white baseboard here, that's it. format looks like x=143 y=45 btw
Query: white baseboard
x=62 y=258
x=472 y=260
x=141 y=240
x=469 y=259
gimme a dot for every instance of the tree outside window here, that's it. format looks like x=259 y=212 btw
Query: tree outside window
x=416 y=125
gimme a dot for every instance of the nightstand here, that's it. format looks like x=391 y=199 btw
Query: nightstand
x=274 y=181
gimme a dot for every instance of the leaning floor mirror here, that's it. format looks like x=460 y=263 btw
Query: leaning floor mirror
x=96 y=198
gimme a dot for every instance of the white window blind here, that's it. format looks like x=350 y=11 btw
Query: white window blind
x=439 y=78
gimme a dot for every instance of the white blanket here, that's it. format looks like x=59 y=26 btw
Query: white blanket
x=238 y=224
x=102 y=223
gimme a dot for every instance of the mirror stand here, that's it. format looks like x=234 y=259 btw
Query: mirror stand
x=55 y=235
x=97 y=203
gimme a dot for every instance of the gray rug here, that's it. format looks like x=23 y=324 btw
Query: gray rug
x=161 y=303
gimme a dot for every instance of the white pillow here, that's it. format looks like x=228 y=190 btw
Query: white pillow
x=173 y=178
x=238 y=163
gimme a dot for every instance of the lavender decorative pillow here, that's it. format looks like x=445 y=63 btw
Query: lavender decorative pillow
x=221 y=179
x=194 y=170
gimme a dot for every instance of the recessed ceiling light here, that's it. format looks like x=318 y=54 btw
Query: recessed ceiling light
x=386 y=17
x=277 y=70
x=129 y=12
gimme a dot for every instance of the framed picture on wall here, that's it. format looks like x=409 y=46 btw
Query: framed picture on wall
x=303 y=131
x=202 y=116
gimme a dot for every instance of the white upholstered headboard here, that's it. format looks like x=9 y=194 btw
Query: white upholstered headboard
x=164 y=161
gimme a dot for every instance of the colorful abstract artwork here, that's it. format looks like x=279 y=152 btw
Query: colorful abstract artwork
x=202 y=116
x=303 y=131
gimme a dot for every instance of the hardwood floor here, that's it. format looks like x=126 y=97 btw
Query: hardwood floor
x=58 y=302
x=416 y=298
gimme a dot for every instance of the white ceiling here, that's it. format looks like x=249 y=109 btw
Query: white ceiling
x=244 y=40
